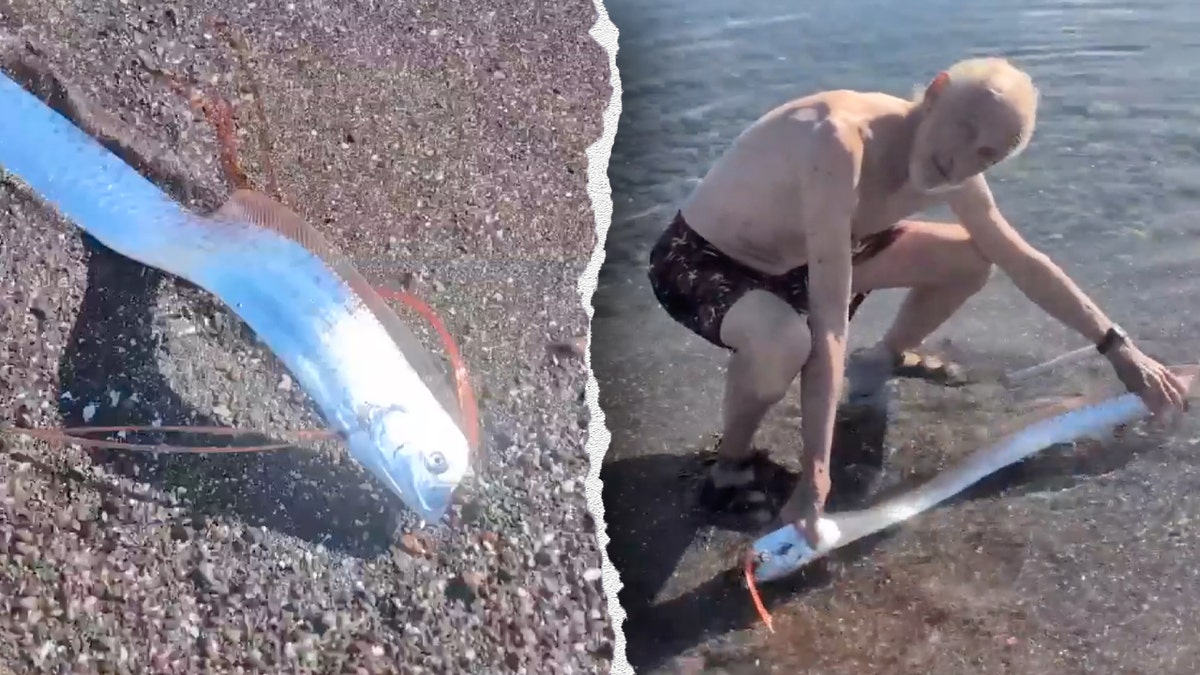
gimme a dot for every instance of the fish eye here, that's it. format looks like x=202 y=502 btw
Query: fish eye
x=436 y=463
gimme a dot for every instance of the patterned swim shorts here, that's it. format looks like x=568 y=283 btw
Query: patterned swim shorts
x=697 y=284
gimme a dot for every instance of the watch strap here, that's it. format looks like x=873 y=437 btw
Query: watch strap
x=1115 y=336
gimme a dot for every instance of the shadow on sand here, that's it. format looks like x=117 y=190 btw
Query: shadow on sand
x=652 y=521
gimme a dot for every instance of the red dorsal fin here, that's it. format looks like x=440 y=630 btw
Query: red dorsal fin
x=260 y=210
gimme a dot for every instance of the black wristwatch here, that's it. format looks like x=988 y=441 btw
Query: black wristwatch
x=1114 y=337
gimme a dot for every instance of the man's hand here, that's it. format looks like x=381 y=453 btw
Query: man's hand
x=1153 y=382
x=806 y=507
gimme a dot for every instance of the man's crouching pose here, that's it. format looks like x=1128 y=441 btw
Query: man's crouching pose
x=807 y=212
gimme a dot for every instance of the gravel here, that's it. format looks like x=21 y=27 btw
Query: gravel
x=441 y=146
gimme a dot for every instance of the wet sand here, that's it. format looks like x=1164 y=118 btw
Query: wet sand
x=1021 y=573
x=442 y=147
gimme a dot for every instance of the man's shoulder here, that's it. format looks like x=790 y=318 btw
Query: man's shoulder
x=825 y=125
x=846 y=106
x=833 y=147
x=838 y=101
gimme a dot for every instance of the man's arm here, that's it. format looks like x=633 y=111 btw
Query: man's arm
x=1050 y=288
x=1034 y=273
x=832 y=181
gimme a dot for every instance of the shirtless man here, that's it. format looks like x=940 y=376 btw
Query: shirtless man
x=808 y=212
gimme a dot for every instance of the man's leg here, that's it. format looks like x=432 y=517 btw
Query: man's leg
x=943 y=269
x=771 y=344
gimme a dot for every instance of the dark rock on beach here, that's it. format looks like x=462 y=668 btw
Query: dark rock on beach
x=442 y=147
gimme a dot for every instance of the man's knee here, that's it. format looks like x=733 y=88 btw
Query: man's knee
x=772 y=341
x=760 y=321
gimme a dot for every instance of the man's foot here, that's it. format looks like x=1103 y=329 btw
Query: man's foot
x=738 y=487
x=870 y=369
x=931 y=368
x=868 y=372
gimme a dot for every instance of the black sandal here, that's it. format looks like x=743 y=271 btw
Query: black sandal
x=744 y=492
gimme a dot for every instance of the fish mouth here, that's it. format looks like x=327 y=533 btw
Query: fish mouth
x=435 y=501
x=430 y=499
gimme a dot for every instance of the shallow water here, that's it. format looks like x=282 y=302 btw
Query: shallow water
x=1109 y=188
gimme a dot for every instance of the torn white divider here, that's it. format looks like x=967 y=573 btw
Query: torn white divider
x=600 y=192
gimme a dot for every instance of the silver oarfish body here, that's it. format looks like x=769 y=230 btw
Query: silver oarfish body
x=321 y=327
x=785 y=550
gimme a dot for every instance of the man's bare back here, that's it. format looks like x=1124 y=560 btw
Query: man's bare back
x=809 y=210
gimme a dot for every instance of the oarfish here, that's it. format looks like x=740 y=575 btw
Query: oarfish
x=343 y=345
x=785 y=550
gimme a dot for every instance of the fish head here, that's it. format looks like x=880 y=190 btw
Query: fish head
x=421 y=456
x=785 y=550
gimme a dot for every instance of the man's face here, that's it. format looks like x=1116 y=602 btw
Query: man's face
x=964 y=132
